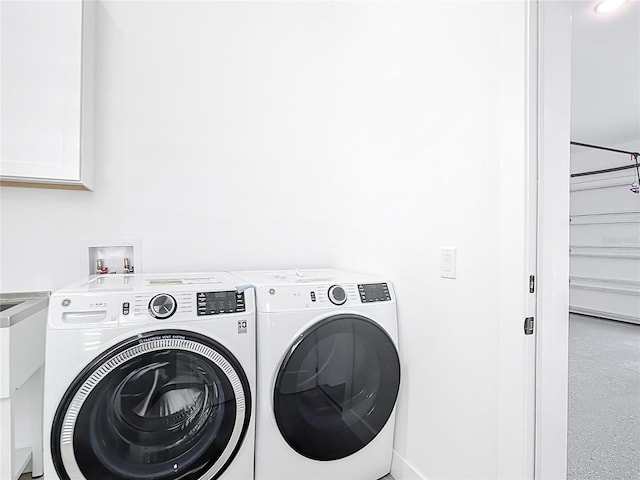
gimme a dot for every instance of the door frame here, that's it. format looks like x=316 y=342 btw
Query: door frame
x=552 y=305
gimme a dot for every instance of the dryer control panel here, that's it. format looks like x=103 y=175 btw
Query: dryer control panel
x=282 y=298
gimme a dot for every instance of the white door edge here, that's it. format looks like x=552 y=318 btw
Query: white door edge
x=554 y=97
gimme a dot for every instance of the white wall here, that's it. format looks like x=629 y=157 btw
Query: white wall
x=359 y=135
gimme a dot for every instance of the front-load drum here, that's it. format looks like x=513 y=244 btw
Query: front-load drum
x=166 y=405
x=336 y=387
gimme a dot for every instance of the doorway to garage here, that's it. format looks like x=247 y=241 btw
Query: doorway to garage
x=604 y=302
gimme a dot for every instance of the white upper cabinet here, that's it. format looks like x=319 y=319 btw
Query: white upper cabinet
x=46 y=96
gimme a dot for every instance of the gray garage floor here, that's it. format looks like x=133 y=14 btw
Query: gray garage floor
x=604 y=399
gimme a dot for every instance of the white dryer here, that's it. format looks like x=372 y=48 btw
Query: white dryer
x=150 y=377
x=328 y=375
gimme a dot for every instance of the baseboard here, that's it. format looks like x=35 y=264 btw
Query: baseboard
x=403 y=470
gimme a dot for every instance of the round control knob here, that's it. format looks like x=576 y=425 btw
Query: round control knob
x=162 y=306
x=337 y=295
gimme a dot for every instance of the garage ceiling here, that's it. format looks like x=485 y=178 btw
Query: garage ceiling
x=605 y=85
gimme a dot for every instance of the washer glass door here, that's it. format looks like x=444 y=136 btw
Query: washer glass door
x=169 y=405
x=336 y=387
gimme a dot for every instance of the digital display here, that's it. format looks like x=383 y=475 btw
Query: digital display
x=213 y=303
x=374 y=292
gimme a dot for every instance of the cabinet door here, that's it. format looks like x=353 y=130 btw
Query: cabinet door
x=41 y=90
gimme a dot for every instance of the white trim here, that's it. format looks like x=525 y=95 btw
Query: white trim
x=554 y=103
x=516 y=241
x=533 y=138
x=403 y=470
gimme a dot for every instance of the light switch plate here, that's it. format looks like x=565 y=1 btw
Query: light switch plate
x=448 y=268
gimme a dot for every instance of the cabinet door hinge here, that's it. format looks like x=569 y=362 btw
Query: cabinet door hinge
x=528 y=325
x=532 y=283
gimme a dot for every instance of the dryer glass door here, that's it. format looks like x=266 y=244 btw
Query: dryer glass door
x=168 y=405
x=336 y=387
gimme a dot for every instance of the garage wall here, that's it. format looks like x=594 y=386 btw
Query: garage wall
x=605 y=240
x=317 y=134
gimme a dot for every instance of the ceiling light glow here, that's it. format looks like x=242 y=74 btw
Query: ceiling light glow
x=608 y=6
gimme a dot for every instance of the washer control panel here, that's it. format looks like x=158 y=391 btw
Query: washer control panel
x=213 y=303
x=374 y=292
x=181 y=306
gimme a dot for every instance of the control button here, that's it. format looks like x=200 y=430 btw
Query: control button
x=337 y=295
x=240 y=306
x=125 y=308
x=162 y=306
x=313 y=296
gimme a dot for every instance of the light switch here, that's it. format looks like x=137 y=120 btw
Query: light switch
x=448 y=262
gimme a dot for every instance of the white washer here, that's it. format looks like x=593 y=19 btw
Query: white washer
x=150 y=376
x=328 y=375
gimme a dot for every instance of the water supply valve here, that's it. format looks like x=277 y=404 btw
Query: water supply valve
x=128 y=268
x=101 y=268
